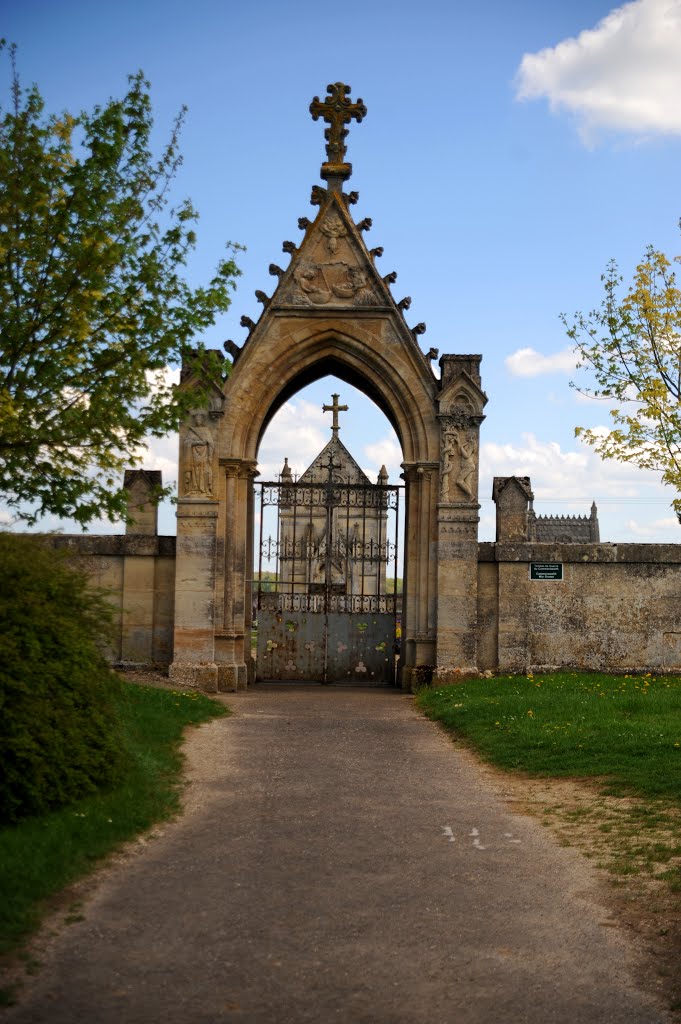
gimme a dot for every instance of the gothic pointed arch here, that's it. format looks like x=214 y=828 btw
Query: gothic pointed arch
x=332 y=312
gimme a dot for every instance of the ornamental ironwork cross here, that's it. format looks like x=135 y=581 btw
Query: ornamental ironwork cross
x=335 y=408
x=337 y=110
x=330 y=466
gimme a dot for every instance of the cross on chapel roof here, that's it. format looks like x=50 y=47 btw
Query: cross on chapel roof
x=337 y=110
x=335 y=408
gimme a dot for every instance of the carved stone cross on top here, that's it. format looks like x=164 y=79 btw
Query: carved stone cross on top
x=337 y=110
x=335 y=408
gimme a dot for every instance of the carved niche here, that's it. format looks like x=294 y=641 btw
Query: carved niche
x=460 y=417
x=458 y=462
x=197 y=456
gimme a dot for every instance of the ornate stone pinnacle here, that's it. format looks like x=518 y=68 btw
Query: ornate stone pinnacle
x=337 y=110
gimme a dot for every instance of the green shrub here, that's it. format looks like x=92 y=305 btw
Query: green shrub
x=59 y=730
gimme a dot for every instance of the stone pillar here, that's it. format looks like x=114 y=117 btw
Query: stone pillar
x=513 y=498
x=139 y=567
x=194 y=635
x=233 y=637
x=460 y=416
x=197 y=511
x=420 y=571
x=142 y=502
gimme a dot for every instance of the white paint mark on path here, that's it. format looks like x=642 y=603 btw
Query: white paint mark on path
x=476 y=839
x=474 y=834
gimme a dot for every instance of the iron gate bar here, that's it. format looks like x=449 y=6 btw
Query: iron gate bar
x=296 y=550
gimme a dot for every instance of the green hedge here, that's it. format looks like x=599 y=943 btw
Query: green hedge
x=59 y=732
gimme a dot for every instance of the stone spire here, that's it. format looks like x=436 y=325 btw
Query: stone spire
x=337 y=110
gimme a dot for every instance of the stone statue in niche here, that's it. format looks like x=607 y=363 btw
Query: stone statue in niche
x=447 y=453
x=467 y=450
x=458 y=442
x=198 y=458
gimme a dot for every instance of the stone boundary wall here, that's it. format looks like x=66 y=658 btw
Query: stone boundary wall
x=138 y=571
x=617 y=608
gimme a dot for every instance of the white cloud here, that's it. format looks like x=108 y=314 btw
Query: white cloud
x=386 y=452
x=655 y=530
x=161 y=453
x=298 y=432
x=566 y=482
x=622 y=75
x=527 y=362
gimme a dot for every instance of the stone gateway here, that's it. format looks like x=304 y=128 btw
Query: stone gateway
x=465 y=606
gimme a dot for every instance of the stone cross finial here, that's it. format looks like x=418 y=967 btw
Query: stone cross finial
x=337 y=110
x=335 y=408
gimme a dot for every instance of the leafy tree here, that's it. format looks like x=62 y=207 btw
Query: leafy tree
x=632 y=347
x=93 y=304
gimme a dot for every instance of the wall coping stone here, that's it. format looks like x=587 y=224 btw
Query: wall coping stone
x=112 y=544
x=571 y=553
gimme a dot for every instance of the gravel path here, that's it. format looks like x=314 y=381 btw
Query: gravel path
x=339 y=860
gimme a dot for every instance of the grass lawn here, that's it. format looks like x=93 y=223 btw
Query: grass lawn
x=622 y=733
x=598 y=759
x=625 y=730
x=39 y=856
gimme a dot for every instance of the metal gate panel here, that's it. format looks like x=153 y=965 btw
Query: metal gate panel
x=361 y=648
x=322 y=604
x=290 y=646
x=335 y=648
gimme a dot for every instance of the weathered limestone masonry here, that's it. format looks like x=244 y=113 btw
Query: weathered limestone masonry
x=547 y=593
x=460 y=406
x=138 y=571
x=332 y=312
x=617 y=608
x=614 y=607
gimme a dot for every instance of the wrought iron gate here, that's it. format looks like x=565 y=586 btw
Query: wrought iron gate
x=325 y=600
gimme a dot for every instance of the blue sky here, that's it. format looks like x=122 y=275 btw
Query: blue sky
x=509 y=151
